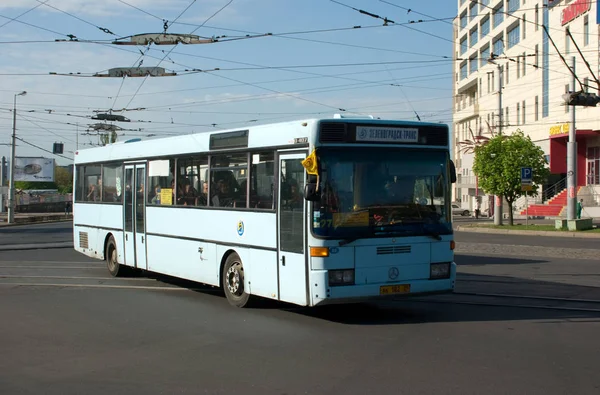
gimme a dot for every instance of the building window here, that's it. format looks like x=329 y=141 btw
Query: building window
x=536 y=109
x=464 y=72
x=524 y=26
x=498 y=14
x=463 y=20
x=593 y=165
x=506 y=123
x=523 y=113
x=485 y=55
x=518 y=67
x=507 y=74
x=536 y=58
x=512 y=5
x=567 y=91
x=488 y=82
x=473 y=65
x=485 y=27
x=514 y=36
x=524 y=64
x=473 y=11
x=518 y=113
x=493 y=82
x=586 y=82
x=537 y=17
x=498 y=46
x=473 y=37
x=586 y=30
x=463 y=45
x=567 y=42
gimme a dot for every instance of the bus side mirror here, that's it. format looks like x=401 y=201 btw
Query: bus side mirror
x=310 y=192
x=452 y=172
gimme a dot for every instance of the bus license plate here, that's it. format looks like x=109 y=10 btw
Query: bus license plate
x=394 y=289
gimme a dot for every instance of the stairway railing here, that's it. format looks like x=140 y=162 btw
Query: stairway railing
x=554 y=190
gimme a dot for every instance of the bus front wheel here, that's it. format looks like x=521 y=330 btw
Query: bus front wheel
x=114 y=267
x=232 y=279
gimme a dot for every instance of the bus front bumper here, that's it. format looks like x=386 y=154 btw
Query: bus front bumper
x=367 y=292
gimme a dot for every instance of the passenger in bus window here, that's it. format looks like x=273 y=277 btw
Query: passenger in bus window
x=190 y=195
x=203 y=196
x=156 y=198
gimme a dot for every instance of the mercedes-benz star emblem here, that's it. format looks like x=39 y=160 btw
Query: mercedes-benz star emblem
x=393 y=273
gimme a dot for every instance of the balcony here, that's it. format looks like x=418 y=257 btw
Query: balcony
x=465 y=181
x=468 y=112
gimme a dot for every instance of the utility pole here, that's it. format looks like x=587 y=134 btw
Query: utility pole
x=572 y=159
x=11 y=183
x=498 y=198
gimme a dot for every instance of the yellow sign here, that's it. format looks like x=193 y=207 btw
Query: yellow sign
x=166 y=196
x=346 y=220
x=526 y=187
x=310 y=163
x=559 y=129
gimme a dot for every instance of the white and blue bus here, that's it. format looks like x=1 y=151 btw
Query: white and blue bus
x=246 y=211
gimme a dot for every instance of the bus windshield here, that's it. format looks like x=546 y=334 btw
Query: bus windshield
x=374 y=192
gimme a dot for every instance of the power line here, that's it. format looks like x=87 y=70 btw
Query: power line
x=179 y=16
x=37 y=27
x=212 y=16
x=42 y=149
x=105 y=30
x=26 y=12
x=139 y=9
x=409 y=10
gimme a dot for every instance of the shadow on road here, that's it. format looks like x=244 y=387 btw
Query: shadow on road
x=474 y=260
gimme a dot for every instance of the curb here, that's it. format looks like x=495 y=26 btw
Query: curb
x=41 y=246
x=528 y=232
x=45 y=221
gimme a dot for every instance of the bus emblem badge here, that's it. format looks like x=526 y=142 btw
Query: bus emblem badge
x=240 y=228
x=393 y=273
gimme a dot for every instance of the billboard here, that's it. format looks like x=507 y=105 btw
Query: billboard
x=34 y=169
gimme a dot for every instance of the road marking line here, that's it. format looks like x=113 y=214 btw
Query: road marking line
x=98 y=286
x=78 y=278
x=53 y=267
x=60 y=262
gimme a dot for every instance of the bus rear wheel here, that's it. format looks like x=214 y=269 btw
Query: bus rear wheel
x=114 y=267
x=232 y=279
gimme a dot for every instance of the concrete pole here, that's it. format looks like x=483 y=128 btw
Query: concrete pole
x=11 y=182
x=11 y=171
x=498 y=199
x=572 y=159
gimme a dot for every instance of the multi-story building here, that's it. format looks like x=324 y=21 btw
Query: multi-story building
x=510 y=74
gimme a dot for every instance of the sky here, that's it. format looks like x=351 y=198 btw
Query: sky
x=270 y=61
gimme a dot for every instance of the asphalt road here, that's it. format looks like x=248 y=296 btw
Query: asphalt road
x=52 y=232
x=69 y=328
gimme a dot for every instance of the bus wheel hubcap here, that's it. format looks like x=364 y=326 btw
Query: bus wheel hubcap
x=234 y=279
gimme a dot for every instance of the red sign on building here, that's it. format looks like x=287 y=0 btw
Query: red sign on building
x=575 y=9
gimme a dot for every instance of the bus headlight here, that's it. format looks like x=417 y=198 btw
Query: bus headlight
x=439 y=270
x=341 y=277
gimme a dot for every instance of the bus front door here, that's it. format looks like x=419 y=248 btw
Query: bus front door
x=135 y=216
x=291 y=246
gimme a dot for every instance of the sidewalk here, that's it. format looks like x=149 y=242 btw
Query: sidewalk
x=483 y=225
x=30 y=218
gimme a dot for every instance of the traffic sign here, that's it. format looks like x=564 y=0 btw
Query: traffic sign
x=526 y=175
x=526 y=187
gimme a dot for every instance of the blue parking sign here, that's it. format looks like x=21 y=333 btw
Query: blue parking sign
x=526 y=174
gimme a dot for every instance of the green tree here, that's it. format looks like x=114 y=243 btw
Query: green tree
x=63 y=180
x=498 y=165
x=28 y=185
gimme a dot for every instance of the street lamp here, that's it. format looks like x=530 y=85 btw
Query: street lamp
x=11 y=184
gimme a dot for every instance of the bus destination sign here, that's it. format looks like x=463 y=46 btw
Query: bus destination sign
x=387 y=134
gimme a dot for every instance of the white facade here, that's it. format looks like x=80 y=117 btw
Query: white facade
x=533 y=78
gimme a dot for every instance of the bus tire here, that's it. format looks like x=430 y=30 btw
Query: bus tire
x=114 y=267
x=232 y=280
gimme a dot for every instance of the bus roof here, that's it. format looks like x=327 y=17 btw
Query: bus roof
x=281 y=134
